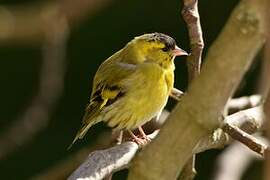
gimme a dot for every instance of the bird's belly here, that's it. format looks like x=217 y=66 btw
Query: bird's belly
x=146 y=106
x=143 y=104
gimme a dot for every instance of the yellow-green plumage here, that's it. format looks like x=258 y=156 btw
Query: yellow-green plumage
x=132 y=86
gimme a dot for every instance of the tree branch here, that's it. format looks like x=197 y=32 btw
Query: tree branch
x=230 y=56
x=101 y=163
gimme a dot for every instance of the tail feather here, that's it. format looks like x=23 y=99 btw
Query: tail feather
x=80 y=134
x=89 y=119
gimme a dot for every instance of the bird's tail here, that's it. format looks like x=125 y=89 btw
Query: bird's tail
x=80 y=134
x=89 y=119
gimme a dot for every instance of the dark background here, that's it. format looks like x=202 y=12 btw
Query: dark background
x=90 y=43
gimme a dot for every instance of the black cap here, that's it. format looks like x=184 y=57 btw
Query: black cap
x=168 y=41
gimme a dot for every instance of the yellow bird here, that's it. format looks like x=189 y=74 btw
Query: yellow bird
x=133 y=85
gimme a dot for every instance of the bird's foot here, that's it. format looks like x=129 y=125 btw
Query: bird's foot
x=143 y=135
x=140 y=141
x=146 y=138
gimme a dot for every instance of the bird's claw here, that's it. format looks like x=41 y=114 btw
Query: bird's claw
x=141 y=141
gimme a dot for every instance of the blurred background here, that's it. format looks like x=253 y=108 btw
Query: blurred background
x=47 y=63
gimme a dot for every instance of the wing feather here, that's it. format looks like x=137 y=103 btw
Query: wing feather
x=106 y=90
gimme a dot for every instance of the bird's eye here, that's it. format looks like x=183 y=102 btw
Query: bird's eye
x=165 y=49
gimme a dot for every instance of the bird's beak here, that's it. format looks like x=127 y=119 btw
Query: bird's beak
x=179 y=52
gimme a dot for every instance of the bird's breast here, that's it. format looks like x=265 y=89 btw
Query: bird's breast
x=150 y=96
x=147 y=95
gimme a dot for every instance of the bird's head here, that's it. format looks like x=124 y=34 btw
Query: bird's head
x=155 y=47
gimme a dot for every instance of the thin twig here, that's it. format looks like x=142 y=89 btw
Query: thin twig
x=191 y=16
x=250 y=141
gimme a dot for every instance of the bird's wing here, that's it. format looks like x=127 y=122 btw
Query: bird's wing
x=107 y=89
